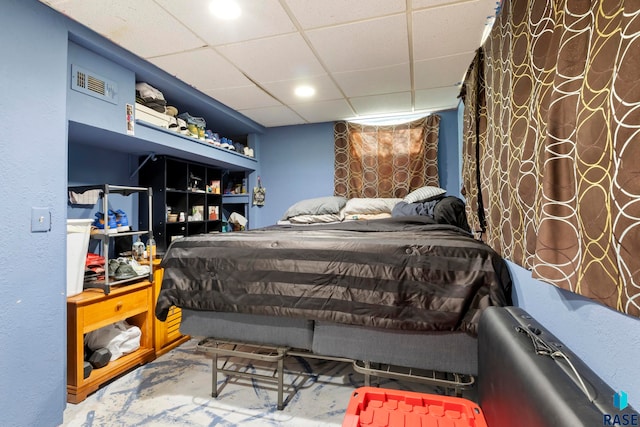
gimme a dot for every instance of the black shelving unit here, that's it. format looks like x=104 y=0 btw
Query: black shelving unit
x=235 y=197
x=187 y=198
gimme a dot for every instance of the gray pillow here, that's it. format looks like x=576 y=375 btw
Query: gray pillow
x=316 y=206
x=424 y=194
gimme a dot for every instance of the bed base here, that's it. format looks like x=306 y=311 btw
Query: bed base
x=257 y=352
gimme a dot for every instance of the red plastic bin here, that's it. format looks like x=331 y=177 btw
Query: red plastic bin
x=378 y=407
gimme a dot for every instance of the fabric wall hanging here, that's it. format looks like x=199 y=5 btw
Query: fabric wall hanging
x=385 y=161
x=557 y=158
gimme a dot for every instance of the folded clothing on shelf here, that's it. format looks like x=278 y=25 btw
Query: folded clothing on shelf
x=119 y=338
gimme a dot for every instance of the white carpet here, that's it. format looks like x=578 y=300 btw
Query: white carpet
x=175 y=389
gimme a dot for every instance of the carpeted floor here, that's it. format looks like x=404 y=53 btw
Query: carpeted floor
x=175 y=390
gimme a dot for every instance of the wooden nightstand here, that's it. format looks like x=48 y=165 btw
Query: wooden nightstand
x=92 y=309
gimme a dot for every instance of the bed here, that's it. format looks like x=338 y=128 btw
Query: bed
x=401 y=290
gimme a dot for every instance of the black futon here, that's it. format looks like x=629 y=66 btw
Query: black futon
x=528 y=378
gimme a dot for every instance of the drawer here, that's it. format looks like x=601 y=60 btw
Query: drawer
x=115 y=308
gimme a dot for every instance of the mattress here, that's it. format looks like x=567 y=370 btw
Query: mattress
x=398 y=273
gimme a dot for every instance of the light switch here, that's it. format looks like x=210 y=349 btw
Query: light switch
x=40 y=220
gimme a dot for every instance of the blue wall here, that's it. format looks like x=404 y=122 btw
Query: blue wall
x=296 y=163
x=33 y=172
x=449 y=152
x=606 y=340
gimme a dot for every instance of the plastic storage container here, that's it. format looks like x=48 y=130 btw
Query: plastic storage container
x=78 y=233
x=371 y=406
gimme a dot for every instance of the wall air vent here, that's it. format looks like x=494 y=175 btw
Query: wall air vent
x=92 y=84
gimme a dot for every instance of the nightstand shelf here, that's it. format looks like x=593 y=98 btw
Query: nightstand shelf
x=93 y=309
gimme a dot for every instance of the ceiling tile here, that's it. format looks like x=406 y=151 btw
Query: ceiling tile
x=262 y=18
x=284 y=90
x=128 y=24
x=443 y=98
x=273 y=59
x=441 y=72
x=422 y=4
x=324 y=111
x=312 y=14
x=274 y=116
x=354 y=49
x=368 y=44
x=244 y=97
x=374 y=81
x=203 y=68
x=382 y=104
x=432 y=36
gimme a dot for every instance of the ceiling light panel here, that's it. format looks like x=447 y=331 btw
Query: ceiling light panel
x=284 y=90
x=263 y=18
x=225 y=9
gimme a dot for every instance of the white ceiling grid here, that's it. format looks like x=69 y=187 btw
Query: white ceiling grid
x=364 y=57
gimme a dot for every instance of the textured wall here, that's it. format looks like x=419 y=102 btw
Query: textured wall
x=33 y=172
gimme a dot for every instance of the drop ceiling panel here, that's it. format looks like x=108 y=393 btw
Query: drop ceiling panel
x=432 y=30
x=313 y=14
x=421 y=4
x=274 y=116
x=244 y=97
x=357 y=53
x=272 y=59
x=375 y=81
x=284 y=90
x=441 y=72
x=324 y=111
x=130 y=23
x=202 y=68
x=263 y=18
x=437 y=99
x=382 y=104
x=367 y=44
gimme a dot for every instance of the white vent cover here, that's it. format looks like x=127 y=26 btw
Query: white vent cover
x=92 y=84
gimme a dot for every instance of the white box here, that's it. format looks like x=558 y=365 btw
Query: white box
x=78 y=232
x=152 y=116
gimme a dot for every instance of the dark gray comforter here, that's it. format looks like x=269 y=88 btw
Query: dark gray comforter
x=399 y=273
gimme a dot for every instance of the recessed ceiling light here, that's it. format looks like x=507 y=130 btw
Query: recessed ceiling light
x=305 y=91
x=225 y=9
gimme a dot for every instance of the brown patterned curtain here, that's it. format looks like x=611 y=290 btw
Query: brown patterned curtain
x=385 y=161
x=558 y=159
